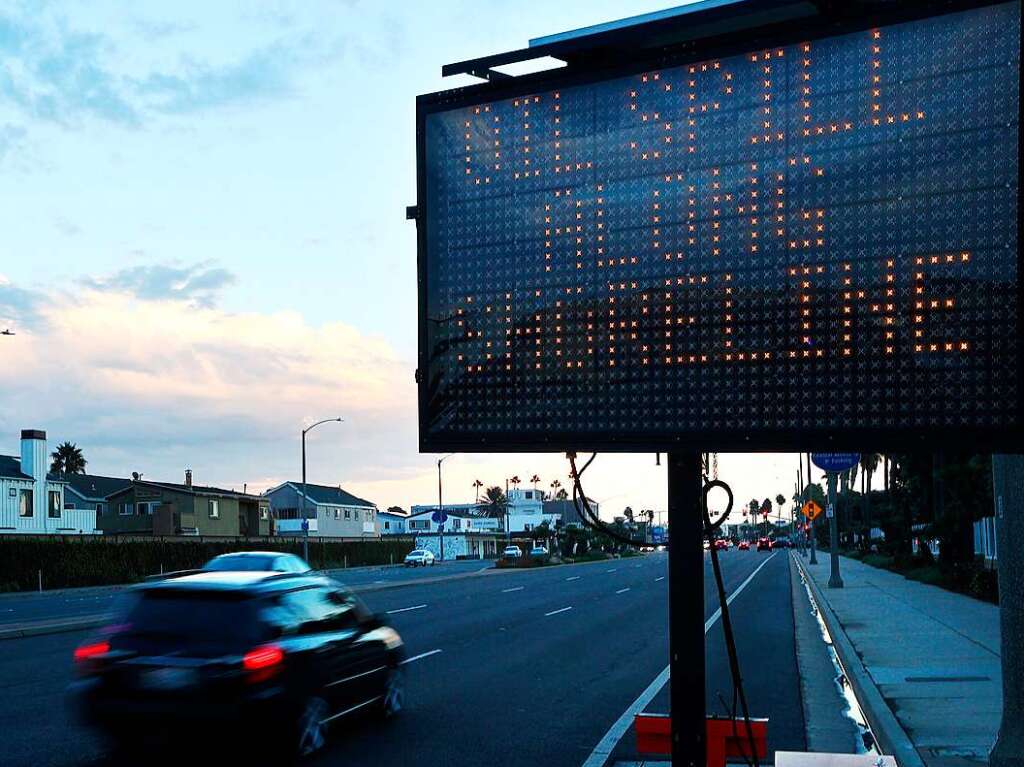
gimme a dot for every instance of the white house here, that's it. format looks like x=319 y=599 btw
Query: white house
x=391 y=523
x=526 y=511
x=421 y=521
x=32 y=499
x=331 y=511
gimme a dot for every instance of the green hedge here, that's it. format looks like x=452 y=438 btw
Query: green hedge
x=70 y=562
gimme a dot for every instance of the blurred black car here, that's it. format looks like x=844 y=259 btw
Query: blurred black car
x=764 y=544
x=276 y=655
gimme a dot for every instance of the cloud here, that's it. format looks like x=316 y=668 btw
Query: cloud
x=19 y=306
x=199 y=285
x=67 y=227
x=58 y=73
x=12 y=138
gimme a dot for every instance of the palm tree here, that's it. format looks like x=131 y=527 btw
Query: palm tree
x=495 y=500
x=535 y=479
x=477 y=484
x=67 y=459
x=555 y=484
x=562 y=494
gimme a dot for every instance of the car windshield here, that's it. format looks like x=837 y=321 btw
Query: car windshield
x=239 y=562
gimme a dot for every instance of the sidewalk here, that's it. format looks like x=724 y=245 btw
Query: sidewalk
x=932 y=654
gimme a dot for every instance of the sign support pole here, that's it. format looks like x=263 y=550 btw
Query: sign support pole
x=686 y=610
x=834 y=579
x=1007 y=484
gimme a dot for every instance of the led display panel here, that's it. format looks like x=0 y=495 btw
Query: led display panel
x=795 y=242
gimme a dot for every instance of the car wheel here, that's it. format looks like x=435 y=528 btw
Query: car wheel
x=394 y=693
x=310 y=728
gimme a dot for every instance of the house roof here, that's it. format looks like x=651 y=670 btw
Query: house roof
x=326 y=495
x=10 y=467
x=94 y=487
x=190 y=490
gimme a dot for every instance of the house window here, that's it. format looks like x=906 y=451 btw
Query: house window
x=348 y=514
x=142 y=509
x=53 y=509
x=25 y=504
x=264 y=512
x=369 y=516
x=458 y=524
x=99 y=508
x=356 y=513
x=337 y=513
x=126 y=509
x=214 y=508
x=387 y=525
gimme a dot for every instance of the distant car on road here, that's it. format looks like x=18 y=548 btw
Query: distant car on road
x=267 y=561
x=722 y=544
x=538 y=551
x=743 y=545
x=764 y=544
x=212 y=653
x=419 y=558
x=782 y=542
x=512 y=552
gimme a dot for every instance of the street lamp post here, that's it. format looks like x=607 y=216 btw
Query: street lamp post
x=305 y=519
x=440 y=504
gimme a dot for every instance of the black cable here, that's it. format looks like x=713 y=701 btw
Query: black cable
x=587 y=515
x=710 y=530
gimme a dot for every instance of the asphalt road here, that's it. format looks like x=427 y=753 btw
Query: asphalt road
x=509 y=667
x=71 y=603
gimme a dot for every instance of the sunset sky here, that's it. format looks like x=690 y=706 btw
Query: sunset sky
x=203 y=244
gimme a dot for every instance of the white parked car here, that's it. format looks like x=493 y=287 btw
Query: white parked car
x=512 y=552
x=538 y=551
x=419 y=557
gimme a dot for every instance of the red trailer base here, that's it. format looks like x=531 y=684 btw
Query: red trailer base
x=726 y=738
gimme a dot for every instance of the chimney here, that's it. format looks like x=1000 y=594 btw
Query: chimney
x=188 y=478
x=34 y=463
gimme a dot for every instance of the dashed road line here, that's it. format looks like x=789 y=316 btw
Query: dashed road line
x=556 y=612
x=509 y=591
x=622 y=591
x=573 y=578
x=421 y=656
x=406 y=609
x=603 y=750
x=612 y=570
x=659 y=579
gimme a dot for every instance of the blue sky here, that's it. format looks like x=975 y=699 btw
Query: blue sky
x=202 y=239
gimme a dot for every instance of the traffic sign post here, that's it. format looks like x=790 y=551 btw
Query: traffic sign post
x=834 y=579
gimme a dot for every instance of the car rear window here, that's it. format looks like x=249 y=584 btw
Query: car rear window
x=158 y=619
x=240 y=563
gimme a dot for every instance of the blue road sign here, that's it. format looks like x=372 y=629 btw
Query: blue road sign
x=835 y=461
x=305 y=525
x=440 y=517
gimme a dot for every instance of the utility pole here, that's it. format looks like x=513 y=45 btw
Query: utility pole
x=834 y=580
x=305 y=519
x=440 y=504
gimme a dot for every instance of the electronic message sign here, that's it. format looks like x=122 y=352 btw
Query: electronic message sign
x=811 y=241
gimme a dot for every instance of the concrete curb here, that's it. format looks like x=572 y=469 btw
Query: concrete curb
x=891 y=737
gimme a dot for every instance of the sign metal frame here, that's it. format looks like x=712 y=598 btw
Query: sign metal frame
x=853 y=438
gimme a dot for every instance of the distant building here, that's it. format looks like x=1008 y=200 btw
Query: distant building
x=90 y=491
x=32 y=499
x=330 y=510
x=165 y=508
x=391 y=523
x=566 y=510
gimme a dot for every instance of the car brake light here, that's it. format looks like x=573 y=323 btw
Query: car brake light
x=88 y=651
x=263 y=657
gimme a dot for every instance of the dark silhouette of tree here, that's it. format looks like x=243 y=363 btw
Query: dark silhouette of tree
x=67 y=459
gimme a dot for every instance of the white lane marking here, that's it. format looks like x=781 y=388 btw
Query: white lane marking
x=421 y=656
x=556 y=612
x=509 y=591
x=612 y=570
x=603 y=750
x=636 y=567
x=622 y=591
x=574 y=578
x=659 y=579
x=406 y=609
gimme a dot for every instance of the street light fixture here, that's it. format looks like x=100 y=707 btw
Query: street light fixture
x=305 y=519
x=440 y=503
